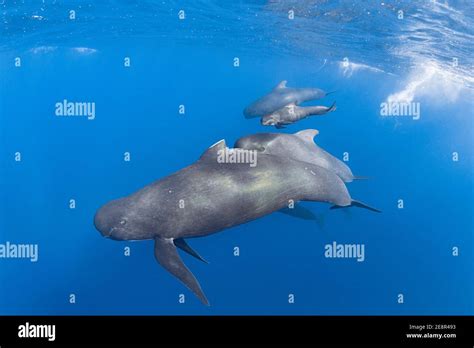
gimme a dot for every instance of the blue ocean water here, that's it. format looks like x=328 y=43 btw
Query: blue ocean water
x=367 y=52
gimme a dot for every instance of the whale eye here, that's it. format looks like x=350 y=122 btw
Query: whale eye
x=123 y=222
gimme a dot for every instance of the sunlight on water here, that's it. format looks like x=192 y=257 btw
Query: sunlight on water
x=423 y=40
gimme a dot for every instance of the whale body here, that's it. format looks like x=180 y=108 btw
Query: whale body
x=281 y=96
x=292 y=113
x=299 y=146
x=207 y=197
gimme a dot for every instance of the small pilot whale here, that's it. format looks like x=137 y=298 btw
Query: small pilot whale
x=292 y=113
x=299 y=146
x=209 y=196
x=281 y=96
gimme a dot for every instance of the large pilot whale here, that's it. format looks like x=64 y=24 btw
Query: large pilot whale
x=299 y=146
x=209 y=196
x=281 y=96
x=292 y=113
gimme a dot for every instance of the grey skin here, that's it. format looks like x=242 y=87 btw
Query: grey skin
x=299 y=146
x=292 y=113
x=279 y=97
x=207 y=197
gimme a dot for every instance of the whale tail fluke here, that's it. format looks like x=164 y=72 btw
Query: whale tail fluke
x=358 y=177
x=365 y=206
x=359 y=204
x=167 y=256
x=332 y=107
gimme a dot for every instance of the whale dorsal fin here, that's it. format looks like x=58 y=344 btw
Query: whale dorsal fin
x=213 y=151
x=307 y=134
x=281 y=85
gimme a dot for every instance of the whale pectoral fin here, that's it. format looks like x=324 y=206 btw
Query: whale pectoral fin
x=299 y=212
x=279 y=126
x=307 y=134
x=181 y=243
x=167 y=255
x=281 y=84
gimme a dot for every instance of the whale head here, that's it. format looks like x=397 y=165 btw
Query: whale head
x=118 y=220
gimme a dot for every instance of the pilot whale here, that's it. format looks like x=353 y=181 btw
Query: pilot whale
x=281 y=96
x=299 y=146
x=292 y=113
x=207 y=197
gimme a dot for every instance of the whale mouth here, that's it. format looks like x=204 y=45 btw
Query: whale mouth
x=268 y=123
x=109 y=233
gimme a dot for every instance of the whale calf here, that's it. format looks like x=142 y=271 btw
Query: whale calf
x=281 y=96
x=299 y=146
x=292 y=113
x=207 y=197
